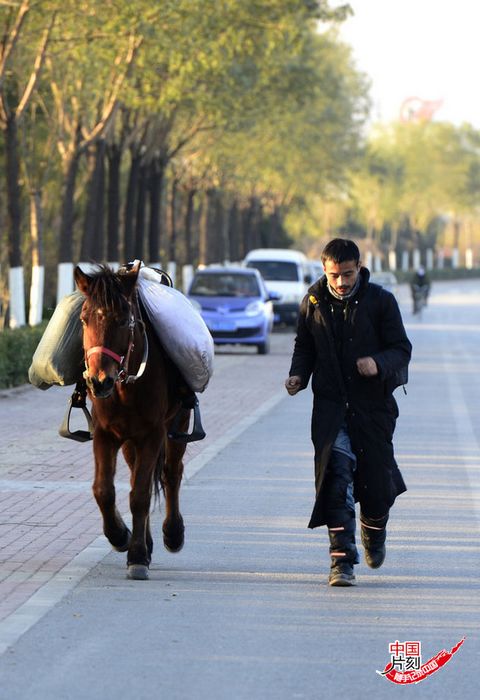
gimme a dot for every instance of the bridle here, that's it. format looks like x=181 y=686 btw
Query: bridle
x=123 y=360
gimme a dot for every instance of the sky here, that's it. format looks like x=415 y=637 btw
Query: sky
x=427 y=49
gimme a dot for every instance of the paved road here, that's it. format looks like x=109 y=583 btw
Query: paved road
x=244 y=610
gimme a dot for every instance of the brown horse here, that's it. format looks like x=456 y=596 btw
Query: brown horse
x=136 y=393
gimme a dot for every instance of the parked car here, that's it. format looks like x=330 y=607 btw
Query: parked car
x=287 y=273
x=235 y=305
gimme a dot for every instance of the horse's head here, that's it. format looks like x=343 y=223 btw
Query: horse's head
x=108 y=320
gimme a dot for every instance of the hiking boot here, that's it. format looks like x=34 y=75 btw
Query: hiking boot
x=341 y=575
x=373 y=540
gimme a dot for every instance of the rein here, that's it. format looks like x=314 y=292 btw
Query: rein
x=123 y=360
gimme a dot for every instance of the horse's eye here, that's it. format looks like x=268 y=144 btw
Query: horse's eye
x=123 y=322
x=83 y=322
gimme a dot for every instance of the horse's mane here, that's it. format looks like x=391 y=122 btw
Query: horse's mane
x=106 y=289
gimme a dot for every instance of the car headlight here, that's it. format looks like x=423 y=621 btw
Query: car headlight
x=254 y=308
x=196 y=305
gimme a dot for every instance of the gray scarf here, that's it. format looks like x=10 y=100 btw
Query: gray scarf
x=343 y=297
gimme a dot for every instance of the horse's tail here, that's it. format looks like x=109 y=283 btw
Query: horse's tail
x=158 y=487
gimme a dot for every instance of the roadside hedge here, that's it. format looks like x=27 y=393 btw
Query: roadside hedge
x=16 y=350
x=448 y=273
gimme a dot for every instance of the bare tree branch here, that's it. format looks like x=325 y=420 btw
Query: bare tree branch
x=11 y=40
x=37 y=67
x=112 y=100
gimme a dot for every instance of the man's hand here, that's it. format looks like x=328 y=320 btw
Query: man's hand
x=293 y=384
x=367 y=367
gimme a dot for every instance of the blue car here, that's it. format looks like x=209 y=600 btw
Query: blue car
x=235 y=305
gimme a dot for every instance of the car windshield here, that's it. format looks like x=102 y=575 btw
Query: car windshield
x=225 y=285
x=276 y=270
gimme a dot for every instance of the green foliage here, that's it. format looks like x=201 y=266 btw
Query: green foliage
x=16 y=351
x=444 y=275
x=249 y=92
x=414 y=174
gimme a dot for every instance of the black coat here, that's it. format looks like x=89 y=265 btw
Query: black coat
x=372 y=326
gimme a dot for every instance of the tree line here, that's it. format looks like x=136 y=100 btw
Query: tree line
x=174 y=131
x=191 y=131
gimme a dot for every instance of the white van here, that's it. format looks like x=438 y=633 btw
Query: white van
x=287 y=276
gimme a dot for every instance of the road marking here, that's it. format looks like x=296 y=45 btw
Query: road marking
x=52 y=592
x=467 y=437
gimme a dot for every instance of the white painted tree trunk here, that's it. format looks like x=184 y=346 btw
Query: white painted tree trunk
x=172 y=271
x=36 y=295
x=469 y=259
x=392 y=260
x=17 y=297
x=65 y=283
x=187 y=276
x=416 y=259
x=405 y=261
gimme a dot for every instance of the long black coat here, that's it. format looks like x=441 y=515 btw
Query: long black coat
x=372 y=327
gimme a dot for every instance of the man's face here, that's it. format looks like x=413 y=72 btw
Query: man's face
x=342 y=276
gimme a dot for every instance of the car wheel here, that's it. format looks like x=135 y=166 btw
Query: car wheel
x=263 y=348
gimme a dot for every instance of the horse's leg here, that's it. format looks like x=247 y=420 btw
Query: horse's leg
x=105 y=449
x=128 y=449
x=172 y=472
x=139 y=555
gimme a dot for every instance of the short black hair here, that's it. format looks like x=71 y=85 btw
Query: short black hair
x=340 y=250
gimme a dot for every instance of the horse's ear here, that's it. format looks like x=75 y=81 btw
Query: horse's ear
x=82 y=280
x=129 y=278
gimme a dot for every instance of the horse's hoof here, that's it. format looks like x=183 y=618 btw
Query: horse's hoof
x=124 y=547
x=173 y=547
x=137 y=572
x=173 y=540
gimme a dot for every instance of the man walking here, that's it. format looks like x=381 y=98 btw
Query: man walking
x=351 y=340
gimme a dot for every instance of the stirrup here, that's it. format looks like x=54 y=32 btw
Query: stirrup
x=197 y=433
x=77 y=400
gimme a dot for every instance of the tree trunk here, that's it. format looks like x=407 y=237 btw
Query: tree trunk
x=38 y=270
x=13 y=192
x=139 y=245
x=234 y=232
x=222 y=244
x=247 y=219
x=114 y=156
x=70 y=171
x=157 y=172
x=212 y=224
x=92 y=241
x=130 y=207
x=202 y=233
x=274 y=229
x=257 y=211
x=189 y=226
x=173 y=222
x=36 y=227
x=15 y=273
x=88 y=222
x=98 y=247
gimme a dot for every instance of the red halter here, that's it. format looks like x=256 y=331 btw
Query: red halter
x=105 y=351
x=122 y=360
